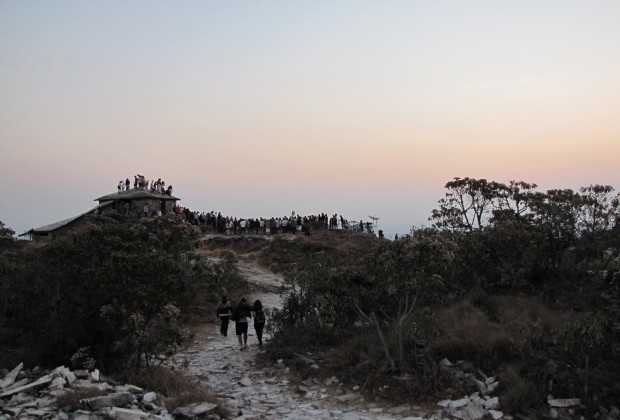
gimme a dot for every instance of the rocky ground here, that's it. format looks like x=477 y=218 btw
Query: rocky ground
x=254 y=391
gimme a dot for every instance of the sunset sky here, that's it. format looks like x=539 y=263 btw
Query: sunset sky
x=260 y=108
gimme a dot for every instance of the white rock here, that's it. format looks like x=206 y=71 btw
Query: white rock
x=492 y=403
x=567 y=402
x=125 y=414
x=346 y=398
x=57 y=383
x=245 y=381
x=492 y=387
x=496 y=414
x=149 y=397
x=95 y=375
x=445 y=363
x=481 y=386
x=459 y=403
x=44 y=380
x=474 y=411
x=9 y=379
x=489 y=380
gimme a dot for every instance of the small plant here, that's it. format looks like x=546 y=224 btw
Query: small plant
x=81 y=359
x=178 y=390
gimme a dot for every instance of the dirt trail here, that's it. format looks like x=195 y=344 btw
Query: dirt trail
x=255 y=392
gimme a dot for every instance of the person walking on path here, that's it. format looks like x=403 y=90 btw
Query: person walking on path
x=223 y=313
x=241 y=313
x=259 y=320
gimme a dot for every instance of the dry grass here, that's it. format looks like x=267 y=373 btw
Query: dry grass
x=494 y=329
x=178 y=390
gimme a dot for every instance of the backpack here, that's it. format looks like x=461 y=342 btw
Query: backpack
x=260 y=317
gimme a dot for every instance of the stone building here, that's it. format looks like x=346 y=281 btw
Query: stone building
x=131 y=203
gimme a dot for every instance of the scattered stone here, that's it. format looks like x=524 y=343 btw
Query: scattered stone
x=245 y=381
x=195 y=410
x=563 y=403
x=10 y=378
x=126 y=414
x=346 y=398
x=459 y=403
x=113 y=400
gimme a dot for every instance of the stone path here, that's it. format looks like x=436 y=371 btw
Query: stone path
x=254 y=392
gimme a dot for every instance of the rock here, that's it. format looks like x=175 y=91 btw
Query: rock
x=445 y=363
x=398 y=410
x=563 y=403
x=58 y=383
x=492 y=387
x=126 y=414
x=553 y=413
x=459 y=403
x=149 y=397
x=492 y=403
x=496 y=414
x=10 y=378
x=95 y=375
x=245 y=381
x=113 y=400
x=17 y=384
x=346 y=398
x=195 y=410
x=474 y=411
x=481 y=386
x=31 y=387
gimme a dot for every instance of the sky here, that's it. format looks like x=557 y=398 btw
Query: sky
x=260 y=108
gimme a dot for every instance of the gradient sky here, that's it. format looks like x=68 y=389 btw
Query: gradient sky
x=260 y=108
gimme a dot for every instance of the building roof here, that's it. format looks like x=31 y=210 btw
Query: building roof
x=135 y=193
x=52 y=227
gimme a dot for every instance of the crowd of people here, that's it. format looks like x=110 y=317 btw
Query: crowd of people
x=141 y=183
x=226 y=225
x=241 y=313
x=294 y=223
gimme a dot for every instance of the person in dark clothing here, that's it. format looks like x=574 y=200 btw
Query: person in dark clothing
x=259 y=320
x=241 y=314
x=223 y=313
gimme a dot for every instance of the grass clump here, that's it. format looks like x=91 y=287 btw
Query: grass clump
x=177 y=389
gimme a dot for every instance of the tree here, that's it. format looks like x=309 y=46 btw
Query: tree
x=116 y=289
x=6 y=233
x=597 y=217
x=467 y=205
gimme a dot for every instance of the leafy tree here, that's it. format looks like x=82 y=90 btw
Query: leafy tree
x=6 y=233
x=597 y=218
x=467 y=205
x=116 y=289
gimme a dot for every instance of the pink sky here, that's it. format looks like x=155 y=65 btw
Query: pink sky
x=258 y=109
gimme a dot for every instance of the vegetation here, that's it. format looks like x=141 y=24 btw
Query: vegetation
x=523 y=284
x=517 y=281
x=114 y=295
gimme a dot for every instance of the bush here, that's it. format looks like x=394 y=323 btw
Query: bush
x=118 y=289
